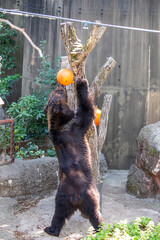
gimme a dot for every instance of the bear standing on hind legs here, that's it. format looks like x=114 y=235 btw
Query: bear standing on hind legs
x=76 y=189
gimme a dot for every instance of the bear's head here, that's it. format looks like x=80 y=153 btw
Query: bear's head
x=57 y=108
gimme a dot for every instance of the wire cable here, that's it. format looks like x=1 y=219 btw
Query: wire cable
x=50 y=17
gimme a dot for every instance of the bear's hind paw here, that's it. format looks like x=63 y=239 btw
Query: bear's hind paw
x=51 y=231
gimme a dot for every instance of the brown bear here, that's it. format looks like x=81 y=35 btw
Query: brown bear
x=76 y=189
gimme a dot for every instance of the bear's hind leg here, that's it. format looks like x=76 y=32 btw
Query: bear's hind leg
x=90 y=208
x=63 y=210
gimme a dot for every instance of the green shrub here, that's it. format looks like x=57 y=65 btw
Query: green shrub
x=47 y=75
x=29 y=115
x=8 y=48
x=19 y=134
x=32 y=151
x=46 y=79
x=6 y=85
x=141 y=229
x=29 y=110
x=51 y=152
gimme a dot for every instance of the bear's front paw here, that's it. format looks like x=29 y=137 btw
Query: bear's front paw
x=51 y=231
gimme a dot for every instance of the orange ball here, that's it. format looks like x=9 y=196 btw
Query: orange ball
x=65 y=77
x=98 y=116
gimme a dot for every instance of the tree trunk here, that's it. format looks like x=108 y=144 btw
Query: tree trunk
x=77 y=54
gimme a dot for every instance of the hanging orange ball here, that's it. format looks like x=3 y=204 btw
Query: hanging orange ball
x=98 y=116
x=65 y=77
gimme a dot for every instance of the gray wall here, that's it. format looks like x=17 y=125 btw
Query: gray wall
x=134 y=83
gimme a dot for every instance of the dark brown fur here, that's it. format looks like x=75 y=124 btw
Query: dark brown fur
x=76 y=189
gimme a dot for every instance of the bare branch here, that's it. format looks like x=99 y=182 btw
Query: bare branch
x=77 y=53
x=22 y=30
x=72 y=44
x=104 y=121
x=93 y=143
x=102 y=76
x=93 y=39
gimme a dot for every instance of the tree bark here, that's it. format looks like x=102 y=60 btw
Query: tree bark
x=101 y=77
x=77 y=54
x=104 y=122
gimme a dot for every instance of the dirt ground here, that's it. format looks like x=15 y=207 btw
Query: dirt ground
x=25 y=220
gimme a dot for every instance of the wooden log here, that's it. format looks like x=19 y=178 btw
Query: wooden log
x=102 y=76
x=104 y=122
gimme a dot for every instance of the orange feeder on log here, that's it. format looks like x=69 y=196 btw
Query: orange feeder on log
x=65 y=77
x=98 y=116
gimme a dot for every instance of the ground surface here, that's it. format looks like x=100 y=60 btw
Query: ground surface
x=26 y=220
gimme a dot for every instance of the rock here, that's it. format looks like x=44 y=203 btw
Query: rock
x=28 y=177
x=148 y=155
x=144 y=177
x=140 y=184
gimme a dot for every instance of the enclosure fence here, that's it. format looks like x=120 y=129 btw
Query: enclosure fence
x=6 y=141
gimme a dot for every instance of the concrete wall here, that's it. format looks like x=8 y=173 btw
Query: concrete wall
x=134 y=83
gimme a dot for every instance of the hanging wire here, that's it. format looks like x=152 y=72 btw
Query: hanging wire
x=31 y=14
